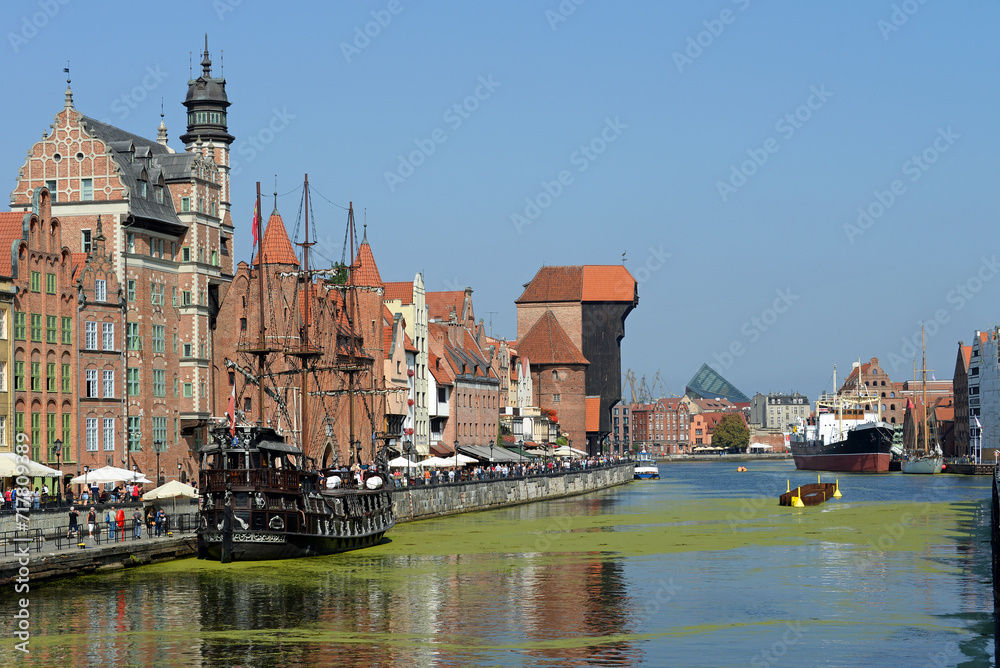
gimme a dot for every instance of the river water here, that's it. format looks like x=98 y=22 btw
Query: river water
x=701 y=568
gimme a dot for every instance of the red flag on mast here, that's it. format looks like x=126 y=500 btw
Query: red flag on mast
x=232 y=411
x=256 y=224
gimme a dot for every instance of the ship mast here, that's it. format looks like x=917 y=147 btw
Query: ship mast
x=352 y=315
x=923 y=361
x=304 y=335
x=261 y=348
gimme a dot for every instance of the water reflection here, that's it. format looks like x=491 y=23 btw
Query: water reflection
x=654 y=573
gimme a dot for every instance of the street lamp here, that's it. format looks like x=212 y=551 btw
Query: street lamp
x=520 y=453
x=86 y=470
x=408 y=449
x=491 y=450
x=156 y=449
x=456 y=454
x=178 y=471
x=57 y=446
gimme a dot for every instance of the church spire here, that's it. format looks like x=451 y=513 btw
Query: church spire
x=206 y=61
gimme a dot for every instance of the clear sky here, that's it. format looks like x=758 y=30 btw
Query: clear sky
x=796 y=185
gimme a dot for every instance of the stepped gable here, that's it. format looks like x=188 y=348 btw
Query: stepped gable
x=548 y=343
x=401 y=290
x=11 y=232
x=365 y=271
x=275 y=246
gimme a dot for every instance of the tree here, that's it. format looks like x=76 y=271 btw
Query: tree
x=731 y=433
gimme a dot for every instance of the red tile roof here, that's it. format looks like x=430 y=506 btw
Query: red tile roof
x=365 y=271
x=78 y=261
x=440 y=304
x=607 y=283
x=586 y=283
x=548 y=343
x=593 y=414
x=276 y=248
x=967 y=354
x=401 y=290
x=438 y=370
x=11 y=229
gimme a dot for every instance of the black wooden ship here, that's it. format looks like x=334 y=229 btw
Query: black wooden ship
x=264 y=498
x=259 y=501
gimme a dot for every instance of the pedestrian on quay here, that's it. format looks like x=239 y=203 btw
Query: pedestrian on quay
x=36 y=499
x=120 y=521
x=84 y=496
x=159 y=522
x=74 y=529
x=109 y=519
x=91 y=521
x=137 y=523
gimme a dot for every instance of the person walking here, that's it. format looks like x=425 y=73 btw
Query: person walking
x=159 y=522
x=137 y=523
x=91 y=521
x=74 y=529
x=109 y=520
x=120 y=521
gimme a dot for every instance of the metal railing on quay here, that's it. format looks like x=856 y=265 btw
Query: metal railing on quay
x=63 y=505
x=62 y=537
x=499 y=472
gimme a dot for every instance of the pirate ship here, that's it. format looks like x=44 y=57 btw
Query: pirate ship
x=270 y=492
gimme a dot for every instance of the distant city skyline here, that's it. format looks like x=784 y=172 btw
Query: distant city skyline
x=793 y=186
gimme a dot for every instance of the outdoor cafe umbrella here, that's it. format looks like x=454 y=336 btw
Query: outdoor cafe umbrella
x=566 y=451
x=109 y=474
x=401 y=463
x=171 y=490
x=9 y=464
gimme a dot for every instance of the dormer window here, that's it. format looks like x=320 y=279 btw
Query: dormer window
x=142 y=188
x=159 y=194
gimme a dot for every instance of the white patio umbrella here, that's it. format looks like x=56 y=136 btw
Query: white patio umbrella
x=173 y=490
x=8 y=462
x=109 y=474
x=566 y=451
x=439 y=462
x=401 y=463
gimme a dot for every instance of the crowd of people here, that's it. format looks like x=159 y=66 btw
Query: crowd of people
x=437 y=476
x=114 y=523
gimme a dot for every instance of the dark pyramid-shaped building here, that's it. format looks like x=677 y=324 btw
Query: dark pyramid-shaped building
x=709 y=384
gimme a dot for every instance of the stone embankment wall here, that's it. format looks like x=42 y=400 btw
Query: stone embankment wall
x=420 y=501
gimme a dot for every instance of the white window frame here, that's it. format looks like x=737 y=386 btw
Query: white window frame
x=100 y=290
x=91 y=388
x=108 y=378
x=108 y=334
x=92 y=434
x=109 y=434
x=90 y=335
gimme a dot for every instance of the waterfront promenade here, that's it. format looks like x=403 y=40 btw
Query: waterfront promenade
x=50 y=553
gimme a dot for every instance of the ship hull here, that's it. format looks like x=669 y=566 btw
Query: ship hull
x=922 y=465
x=867 y=449
x=266 y=546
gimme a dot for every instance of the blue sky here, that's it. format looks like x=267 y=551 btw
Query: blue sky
x=796 y=185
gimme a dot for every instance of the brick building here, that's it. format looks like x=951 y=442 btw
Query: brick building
x=342 y=347
x=961 y=388
x=408 y=299
x=167 y=239
x=582 y=310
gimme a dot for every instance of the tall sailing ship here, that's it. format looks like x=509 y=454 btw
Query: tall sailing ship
x=264 y=497
x=843 y=436
x=924 y=461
